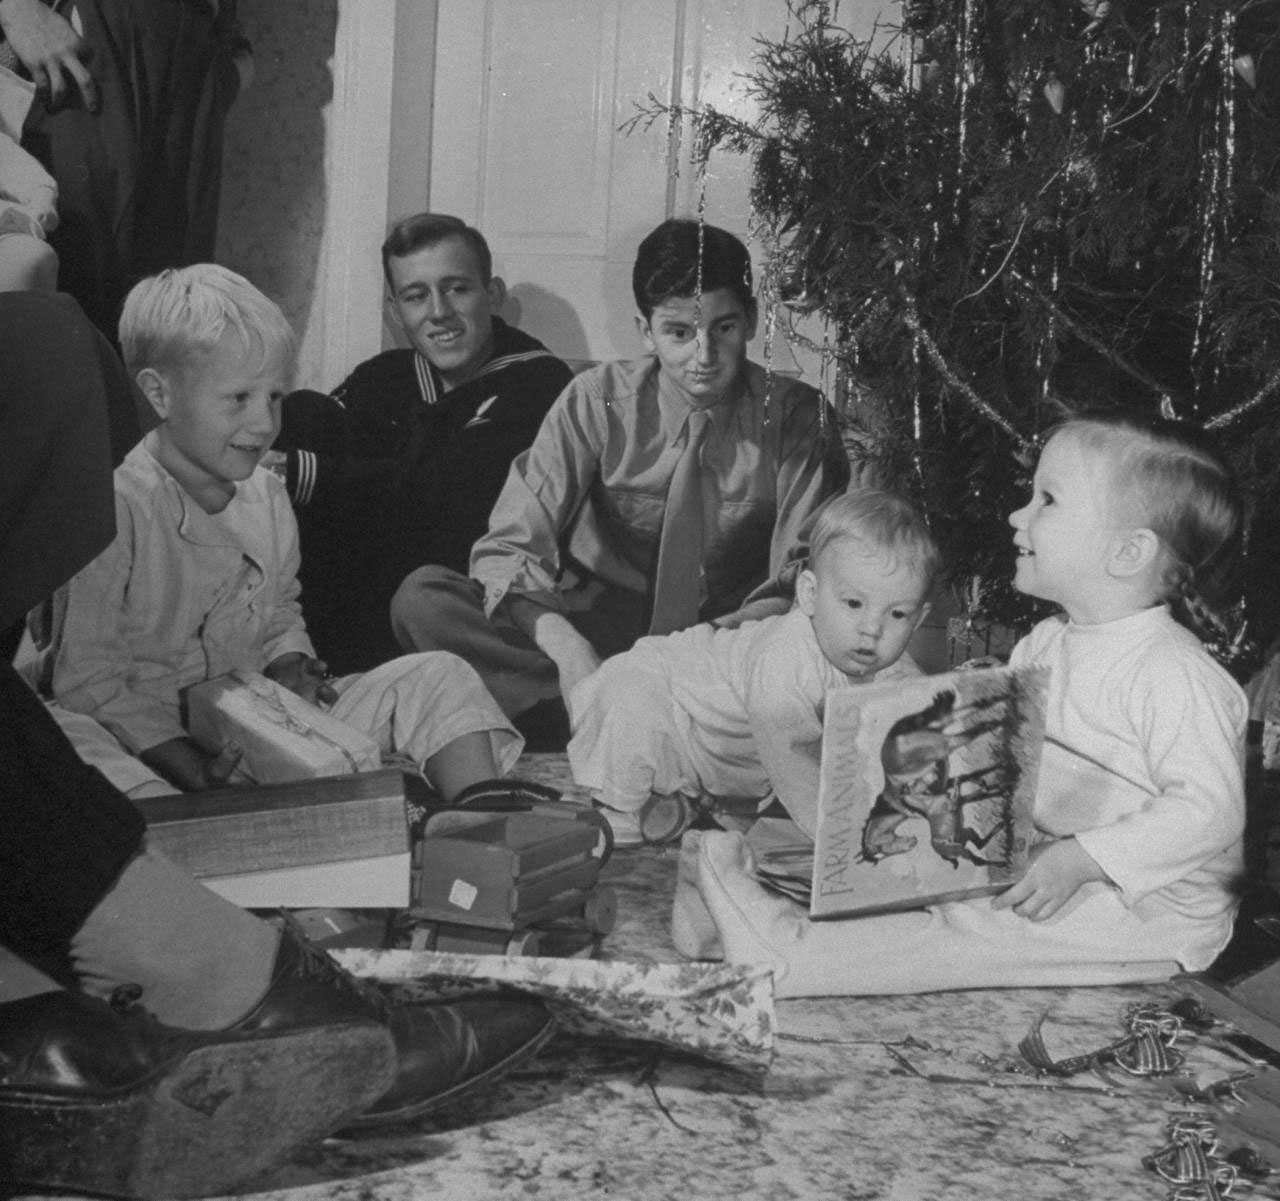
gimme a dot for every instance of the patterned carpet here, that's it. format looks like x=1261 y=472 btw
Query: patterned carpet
x=909 y=1099
x=903 y=1099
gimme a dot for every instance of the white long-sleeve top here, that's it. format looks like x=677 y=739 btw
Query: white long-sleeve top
x=1143 y=757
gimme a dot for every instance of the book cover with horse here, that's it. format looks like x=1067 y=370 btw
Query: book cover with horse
x=926 y=790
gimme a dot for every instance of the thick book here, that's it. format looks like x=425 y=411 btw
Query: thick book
x=341 y=841
x=925 y=795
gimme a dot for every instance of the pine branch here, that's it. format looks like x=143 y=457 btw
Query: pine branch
x=1095 y=343
x=978 y=245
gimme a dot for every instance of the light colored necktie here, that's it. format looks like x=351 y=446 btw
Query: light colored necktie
x=677 y=587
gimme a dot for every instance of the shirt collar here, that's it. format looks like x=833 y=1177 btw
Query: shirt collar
x=675 y=409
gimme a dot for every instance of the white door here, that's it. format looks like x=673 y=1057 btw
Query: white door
x=529 y=98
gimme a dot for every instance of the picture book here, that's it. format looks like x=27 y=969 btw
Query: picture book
x=925 y=796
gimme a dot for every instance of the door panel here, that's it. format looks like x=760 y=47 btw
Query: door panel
x=526 y=143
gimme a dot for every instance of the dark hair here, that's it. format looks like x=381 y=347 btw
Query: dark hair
x=683 y=258
x=1188 y=497
x=411 y=234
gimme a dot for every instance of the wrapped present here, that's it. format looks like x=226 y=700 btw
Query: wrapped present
x=281 y=737
x=722 y=1012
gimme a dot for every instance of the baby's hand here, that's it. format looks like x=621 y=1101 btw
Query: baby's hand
x=1056 y=871
x=304 y=675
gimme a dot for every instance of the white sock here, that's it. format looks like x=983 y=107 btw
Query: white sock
x=693 y=929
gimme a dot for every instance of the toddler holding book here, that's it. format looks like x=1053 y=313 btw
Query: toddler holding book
x=1140 y=798
x=201 y=579
x=708 y=714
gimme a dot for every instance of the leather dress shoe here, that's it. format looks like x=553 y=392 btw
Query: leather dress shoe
x=444 y=1048
x=102 y=1098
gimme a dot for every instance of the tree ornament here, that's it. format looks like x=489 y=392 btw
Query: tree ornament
x=1081 y=170
x=1098 y=11
x=1247 y=69
x=1055 y=92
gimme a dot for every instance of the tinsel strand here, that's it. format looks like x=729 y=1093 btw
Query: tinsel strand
x=912 y=320
x=1223 y=420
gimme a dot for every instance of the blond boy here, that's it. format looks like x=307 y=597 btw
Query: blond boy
x=201 y=578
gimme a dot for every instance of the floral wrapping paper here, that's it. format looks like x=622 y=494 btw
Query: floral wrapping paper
x=715 y=1011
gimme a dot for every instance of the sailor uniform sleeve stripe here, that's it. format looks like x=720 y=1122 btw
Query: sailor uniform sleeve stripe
x=426 y=381
x=507 y=360
x=305 y=485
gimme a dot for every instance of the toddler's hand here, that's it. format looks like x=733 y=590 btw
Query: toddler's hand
x=1056 y=871
x=304 y=675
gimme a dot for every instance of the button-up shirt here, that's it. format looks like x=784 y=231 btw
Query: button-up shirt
x=181 y=595
x=581 y=511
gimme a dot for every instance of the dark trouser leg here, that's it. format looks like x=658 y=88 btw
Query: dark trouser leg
x=201 y=963
x=138 y=182
x=436 y=609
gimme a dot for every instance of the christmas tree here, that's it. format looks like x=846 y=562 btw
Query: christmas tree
x=1002 y=211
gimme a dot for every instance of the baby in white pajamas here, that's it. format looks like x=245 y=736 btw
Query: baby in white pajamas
x=737 y=713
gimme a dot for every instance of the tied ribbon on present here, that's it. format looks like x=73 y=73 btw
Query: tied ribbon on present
x=1145 y=1050
x=267 y=703
x=1190 y=1160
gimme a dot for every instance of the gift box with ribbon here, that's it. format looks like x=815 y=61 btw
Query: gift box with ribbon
x=279 y=735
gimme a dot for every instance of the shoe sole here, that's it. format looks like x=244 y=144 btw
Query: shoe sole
x=225 y=1114
x=407 y=1113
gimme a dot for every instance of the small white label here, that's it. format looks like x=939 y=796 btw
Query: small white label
x=462 y=895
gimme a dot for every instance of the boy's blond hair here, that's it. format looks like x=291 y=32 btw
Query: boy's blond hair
x=886 y=523
x=184 y=311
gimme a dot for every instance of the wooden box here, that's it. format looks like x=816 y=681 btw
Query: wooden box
x=507 y=870
x=341 y=841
